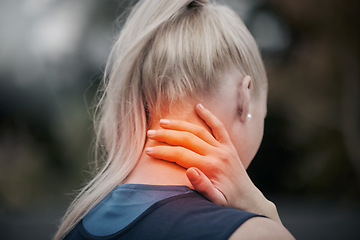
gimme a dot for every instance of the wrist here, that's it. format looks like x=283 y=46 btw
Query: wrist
x=268 y=208
x=273 y=213
x=254 y=201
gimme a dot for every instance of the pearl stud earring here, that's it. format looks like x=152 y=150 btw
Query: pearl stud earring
x=248 y=117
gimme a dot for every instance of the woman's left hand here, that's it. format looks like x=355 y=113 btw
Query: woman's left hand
x=214 y=167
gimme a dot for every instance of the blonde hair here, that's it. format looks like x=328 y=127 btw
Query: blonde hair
x=166 y=51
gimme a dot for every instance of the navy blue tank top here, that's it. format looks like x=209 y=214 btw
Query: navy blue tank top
x=137 y=211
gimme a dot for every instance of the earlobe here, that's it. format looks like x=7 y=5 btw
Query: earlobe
x=244 y=98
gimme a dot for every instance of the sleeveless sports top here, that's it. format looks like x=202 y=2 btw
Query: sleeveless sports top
x=137 y=211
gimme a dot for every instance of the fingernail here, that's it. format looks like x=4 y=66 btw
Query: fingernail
x=193 y=175
x=201 y=106
x=164 y=121
x=151 y=133
x=149 y=149
x=197 y=173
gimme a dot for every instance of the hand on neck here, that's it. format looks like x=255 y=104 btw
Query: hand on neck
x=159 y=172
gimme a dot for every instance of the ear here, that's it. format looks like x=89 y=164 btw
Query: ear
x=244 y=89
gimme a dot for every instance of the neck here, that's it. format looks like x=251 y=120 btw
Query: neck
x=158 y=172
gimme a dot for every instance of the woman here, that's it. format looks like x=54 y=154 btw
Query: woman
x=169 y=56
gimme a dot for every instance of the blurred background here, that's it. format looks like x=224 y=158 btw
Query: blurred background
x=52 y=55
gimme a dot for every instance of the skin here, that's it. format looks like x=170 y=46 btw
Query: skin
x=208 y=148
x=234 y=90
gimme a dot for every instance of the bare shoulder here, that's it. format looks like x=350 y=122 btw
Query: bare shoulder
x=261 y=228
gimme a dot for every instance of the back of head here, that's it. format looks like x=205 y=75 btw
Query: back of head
x=171 y=51
x=167 y=52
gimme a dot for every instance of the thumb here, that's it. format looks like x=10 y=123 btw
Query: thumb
x=203 y=185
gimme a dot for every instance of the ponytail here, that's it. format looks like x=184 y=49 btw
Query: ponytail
x=121 y=114
x=166 y=51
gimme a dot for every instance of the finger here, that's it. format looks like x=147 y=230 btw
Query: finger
x=180 y=138
x=203 y=185
x=199 y=131
x=214 y=123
x=179 y=155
